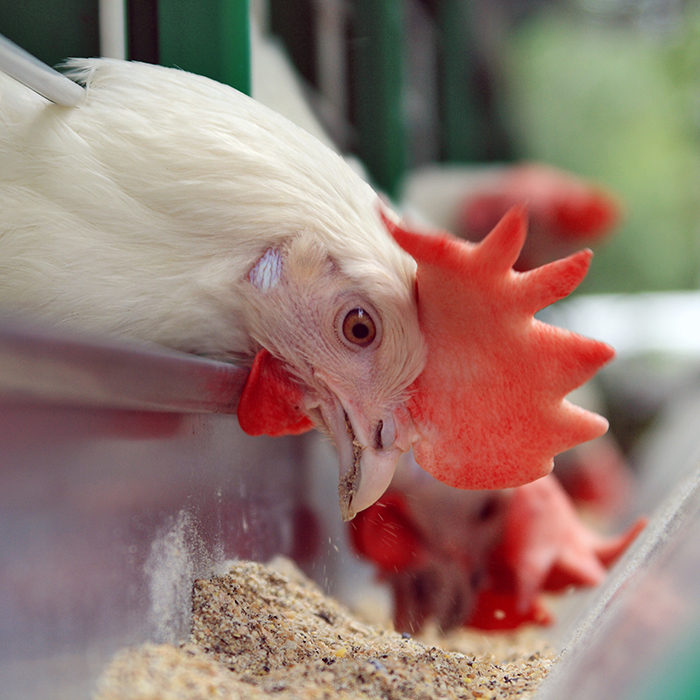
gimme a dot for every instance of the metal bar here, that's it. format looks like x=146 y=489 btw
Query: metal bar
x=652 y=322
x=49 y=366
x=112 y=16
x=30 y=71
x=331 y=27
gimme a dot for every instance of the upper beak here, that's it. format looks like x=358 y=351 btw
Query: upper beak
x=368 y=453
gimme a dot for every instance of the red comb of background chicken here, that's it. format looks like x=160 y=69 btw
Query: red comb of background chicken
x=568 y=205
x=489 y=406
x=566 y=211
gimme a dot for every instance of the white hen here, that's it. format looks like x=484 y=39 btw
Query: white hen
x=170 y=208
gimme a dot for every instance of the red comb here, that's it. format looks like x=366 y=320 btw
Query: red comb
x=489 y=406
x=590 y=217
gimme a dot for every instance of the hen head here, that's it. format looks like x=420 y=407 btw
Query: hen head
x=454 y=365
x=341 y=344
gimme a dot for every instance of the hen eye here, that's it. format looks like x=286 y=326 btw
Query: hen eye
x=359 y=328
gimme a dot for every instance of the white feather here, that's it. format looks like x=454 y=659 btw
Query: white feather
x=140 y=210
x=267 y=272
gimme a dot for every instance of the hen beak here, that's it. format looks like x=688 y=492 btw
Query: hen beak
x=367 y=454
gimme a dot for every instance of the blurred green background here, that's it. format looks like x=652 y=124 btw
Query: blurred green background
x=607 y=89
x=618 y=101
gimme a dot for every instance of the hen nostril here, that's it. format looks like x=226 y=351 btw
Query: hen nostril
x=378 y=444
x=385 y=436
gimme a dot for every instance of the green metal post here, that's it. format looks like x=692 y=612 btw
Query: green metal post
x=208 y=37
x=378 y=77
x=462 y=128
